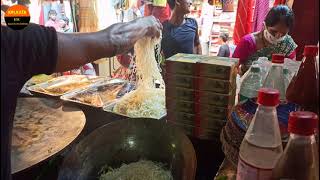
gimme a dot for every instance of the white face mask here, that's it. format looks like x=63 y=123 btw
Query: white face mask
x=271 y=39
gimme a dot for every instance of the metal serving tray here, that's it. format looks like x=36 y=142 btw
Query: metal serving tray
x=42 y=89
x=113 y=87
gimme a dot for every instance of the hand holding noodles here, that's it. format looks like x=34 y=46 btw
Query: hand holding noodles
x=146 y=100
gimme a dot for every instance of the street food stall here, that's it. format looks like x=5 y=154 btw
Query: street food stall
x=186 y=117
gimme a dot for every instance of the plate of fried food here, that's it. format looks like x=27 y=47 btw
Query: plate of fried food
x=63 y=84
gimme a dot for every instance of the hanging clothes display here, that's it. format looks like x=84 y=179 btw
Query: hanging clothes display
x=106 y=14
x=243 y=23
x=88 y=19
x=41 y=17
x=278 y=2
x=34 y=7
x=306 y=28
x=260 y=12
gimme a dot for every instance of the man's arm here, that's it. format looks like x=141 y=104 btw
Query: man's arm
x=197 y=46
x=197 y=49
x=77 y=49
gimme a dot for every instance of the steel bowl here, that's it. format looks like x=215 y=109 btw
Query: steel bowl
x=127 y=141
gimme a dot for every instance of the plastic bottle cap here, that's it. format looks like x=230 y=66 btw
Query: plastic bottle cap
x=310 y=50
x=278 y=58
x=303 y=123
x=255 y=69
x=268 y=97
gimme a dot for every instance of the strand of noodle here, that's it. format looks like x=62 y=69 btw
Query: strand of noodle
x=146 y=100
x=146 y=64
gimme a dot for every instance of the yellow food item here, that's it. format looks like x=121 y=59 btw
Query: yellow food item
x=141 y=170
x=99 y=97
x=63 y=84
x=41 y=78
x=67 y=87
x=146 y=100
x=149 y=103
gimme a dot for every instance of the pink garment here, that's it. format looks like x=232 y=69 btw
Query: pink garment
x=260 y=12
x=247 y=47
x=41 y=17
x=54 y=24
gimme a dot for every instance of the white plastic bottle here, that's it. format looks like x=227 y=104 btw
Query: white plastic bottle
x=261 y=147
x=287 y=77
x=275 y=78
x=251 y=84
x=264 y=65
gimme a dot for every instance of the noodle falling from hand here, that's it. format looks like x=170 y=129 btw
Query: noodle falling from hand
x=147 y=100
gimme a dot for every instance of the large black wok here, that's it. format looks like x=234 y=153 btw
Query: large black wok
x=128 y=141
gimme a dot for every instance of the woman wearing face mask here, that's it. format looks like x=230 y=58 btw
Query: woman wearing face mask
x=272 y=39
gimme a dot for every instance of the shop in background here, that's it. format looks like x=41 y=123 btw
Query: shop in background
x=214 y=17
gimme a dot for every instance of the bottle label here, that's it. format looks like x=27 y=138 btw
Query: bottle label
x=242 y=98
x=246 y=172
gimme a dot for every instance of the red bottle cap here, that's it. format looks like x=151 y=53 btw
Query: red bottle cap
x=303 y=123
x=278 y=58
x=310 y=50
x=268 y=97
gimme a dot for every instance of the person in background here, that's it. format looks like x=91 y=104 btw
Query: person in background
x=132 y=12
x=64 y=21
x=125 y=71
x=206 y=19
x=224 y=50
x=53 y=21
x=180 y=34
x=42 y=50
x=141 y=6
x=127 y=59
x=65 y=24
x=272 y=39
x=159 y=9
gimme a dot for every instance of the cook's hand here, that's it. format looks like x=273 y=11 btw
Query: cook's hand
x=153 y=25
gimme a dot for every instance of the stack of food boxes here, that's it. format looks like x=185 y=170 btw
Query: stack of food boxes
x=200 y=90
